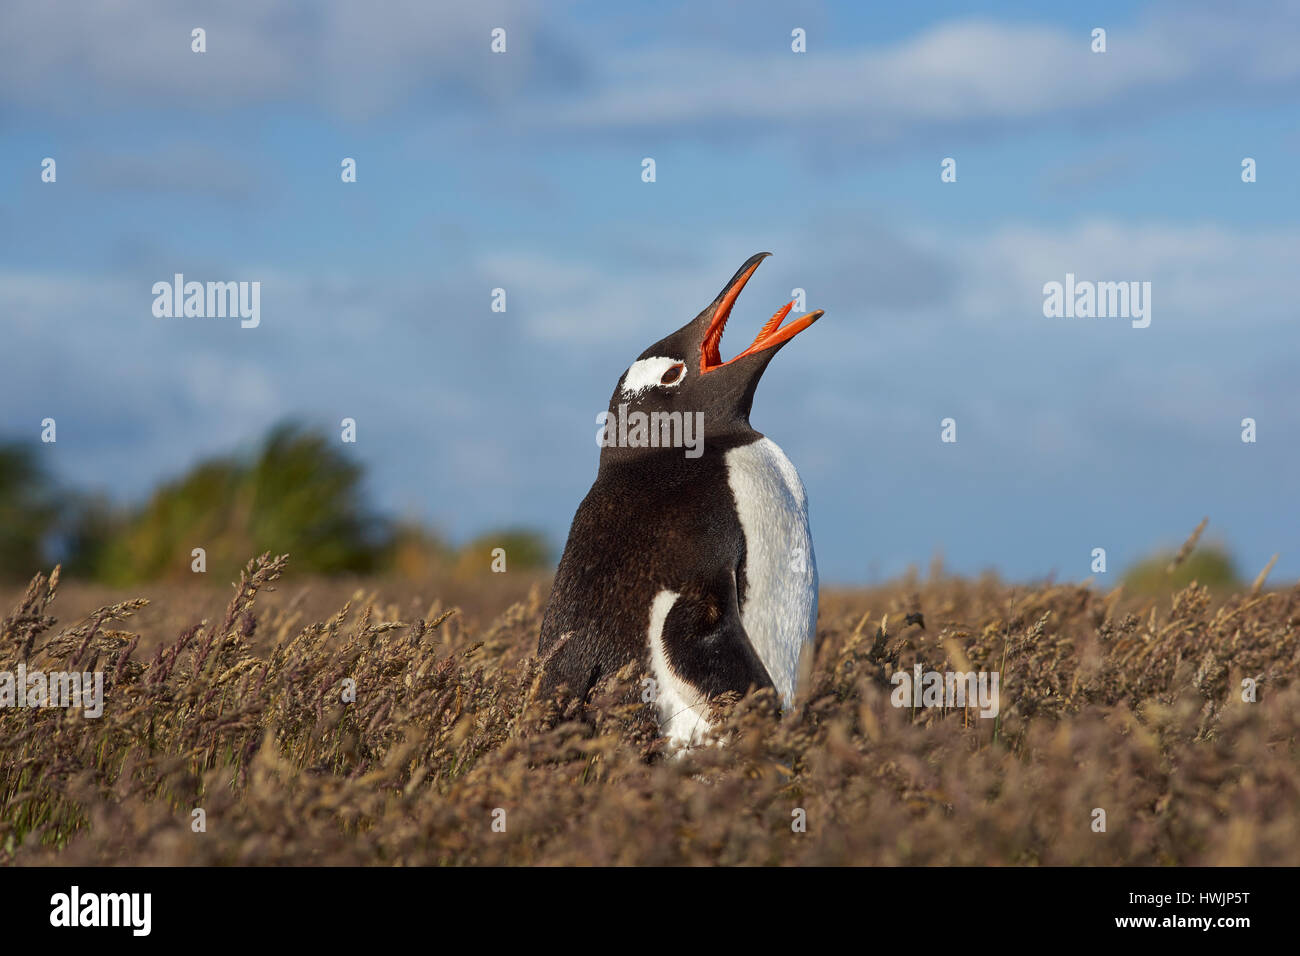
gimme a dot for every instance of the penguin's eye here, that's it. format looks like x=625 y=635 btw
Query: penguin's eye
x=672 y=375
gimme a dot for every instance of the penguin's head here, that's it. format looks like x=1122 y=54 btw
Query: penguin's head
x=685 y=371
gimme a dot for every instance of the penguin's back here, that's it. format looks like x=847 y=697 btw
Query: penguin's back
x=643 y=528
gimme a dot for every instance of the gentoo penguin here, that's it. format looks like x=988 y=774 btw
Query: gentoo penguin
x=697 y=560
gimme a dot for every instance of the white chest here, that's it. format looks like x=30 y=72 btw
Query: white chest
x=780 y=608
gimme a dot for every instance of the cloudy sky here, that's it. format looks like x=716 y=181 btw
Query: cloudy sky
x=523 y=171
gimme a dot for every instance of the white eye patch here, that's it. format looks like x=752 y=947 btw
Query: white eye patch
x=648 y=372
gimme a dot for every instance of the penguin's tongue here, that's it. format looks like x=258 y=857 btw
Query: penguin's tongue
x=771 y=334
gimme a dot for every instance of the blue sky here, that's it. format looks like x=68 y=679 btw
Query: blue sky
x=522 y=171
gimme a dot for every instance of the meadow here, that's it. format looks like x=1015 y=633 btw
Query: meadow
x=233 y=702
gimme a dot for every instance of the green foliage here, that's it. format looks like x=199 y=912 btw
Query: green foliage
x=304 y=491
x=415 y=552
x=89 y=524
x=1210 y=565
x=524 y=548
x=298 y=494
x=27 y=512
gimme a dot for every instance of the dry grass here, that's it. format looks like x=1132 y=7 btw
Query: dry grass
x=1133 y=708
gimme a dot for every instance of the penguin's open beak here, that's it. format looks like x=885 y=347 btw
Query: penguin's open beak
x=769 y=336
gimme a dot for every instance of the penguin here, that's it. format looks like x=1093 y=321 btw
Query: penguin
x=696 y=560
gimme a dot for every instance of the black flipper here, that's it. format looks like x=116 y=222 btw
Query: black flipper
x=706 y=644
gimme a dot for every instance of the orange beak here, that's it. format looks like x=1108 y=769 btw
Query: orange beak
x=769 y=336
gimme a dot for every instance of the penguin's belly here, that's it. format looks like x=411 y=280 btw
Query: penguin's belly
x=779 y=609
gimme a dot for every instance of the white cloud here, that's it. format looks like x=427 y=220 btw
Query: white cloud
x=955 y=72
x=1223 y=311
x=473 y=412
x=581 y=303
x=1199 y=273
x=360 y=59
x=183 y=166
x=352 y=58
